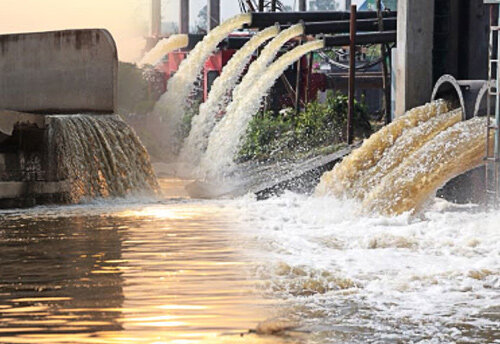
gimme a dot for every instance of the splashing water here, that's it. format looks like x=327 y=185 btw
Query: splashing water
x=404 y=146
x=100 y=156
x=219 y=96
x=452 y=152
x=171 y=105
x=224 y=140
x=163 y=47
x=339 y=182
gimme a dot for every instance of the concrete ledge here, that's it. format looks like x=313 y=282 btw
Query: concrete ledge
x=71 y=71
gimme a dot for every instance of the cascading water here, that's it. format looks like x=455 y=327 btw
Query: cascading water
x=452 y=152
x=400 y=168
x=219 y=96
x=339 y=182
x=404 y=146
x=163 y=47
x=224 y=140
x=99 y=156
x=171 y=105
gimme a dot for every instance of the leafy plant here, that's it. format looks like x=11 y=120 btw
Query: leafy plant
x=286 y=135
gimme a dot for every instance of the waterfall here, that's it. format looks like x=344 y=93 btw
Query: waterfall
x=171 y=105
x=219 y=96
x=99 y=156
x=224 y=140
x=163 y=47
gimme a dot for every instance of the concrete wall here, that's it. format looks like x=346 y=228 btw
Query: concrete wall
x=70 y=71
x=414 y=54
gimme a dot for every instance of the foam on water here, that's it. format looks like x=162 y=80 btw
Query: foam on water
x=352 y=278
x=163 y=47
x=219 y=96
x=171 y=105
x=225 y=138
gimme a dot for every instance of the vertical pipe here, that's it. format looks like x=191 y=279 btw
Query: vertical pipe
x=308 y=80
x=273 y=5
x=298 y=84
x=352 y=75
x=302 y=5
x=261 y=5
x=213 y=13
x=184 y=17
x=385 y=69
x=156 y=18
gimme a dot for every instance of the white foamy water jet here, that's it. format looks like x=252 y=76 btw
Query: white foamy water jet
x=376 y=279
x=171 y=105
x=219 y=96
x=163 y=47
x=225 y=138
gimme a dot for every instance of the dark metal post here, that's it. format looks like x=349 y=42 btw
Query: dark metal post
x=273 y=5
x=308 y=81
x=298 y=84
x=184 y=16
x=302 y=5
x=352 y=75
x=385 y=77
x=261 y=5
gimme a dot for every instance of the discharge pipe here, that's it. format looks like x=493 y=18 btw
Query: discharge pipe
x=343 y=26
x=261 y=20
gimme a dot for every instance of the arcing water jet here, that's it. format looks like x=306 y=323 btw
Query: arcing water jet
x=225 y=138
x=454 y=151
x=340 y=181
x=164 y=47
x=219 y=96
x=171 y=105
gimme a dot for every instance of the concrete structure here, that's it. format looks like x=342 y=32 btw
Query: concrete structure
x=437 y=37
x=70 y=71
x=156 y=18
x=414 y=79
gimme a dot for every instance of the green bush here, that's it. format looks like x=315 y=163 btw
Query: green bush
x=286 y=135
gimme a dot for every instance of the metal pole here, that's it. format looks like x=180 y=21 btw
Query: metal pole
x=273 y=5
x=352 y=75
x=308 y=80
x=385 y=69
x=156 y=18
x=184 y=16
x=298 y=84
x=261 y=5
x=213 y=13
x=302 y=5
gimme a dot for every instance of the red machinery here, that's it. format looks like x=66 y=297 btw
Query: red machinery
x=283 y=90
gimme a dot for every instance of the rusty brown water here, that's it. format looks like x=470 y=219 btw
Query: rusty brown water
x=183 y=271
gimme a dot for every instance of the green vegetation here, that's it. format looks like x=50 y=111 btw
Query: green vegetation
x=321 y=126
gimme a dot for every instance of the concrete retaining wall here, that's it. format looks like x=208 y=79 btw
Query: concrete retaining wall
x=71 y=71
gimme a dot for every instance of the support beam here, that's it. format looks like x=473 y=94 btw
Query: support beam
x=352 y=77
x=184 y=16
x=302 y=5
x=414 y=54
x=156 y=18
x=213 y=14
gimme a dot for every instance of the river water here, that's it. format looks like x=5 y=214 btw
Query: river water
x=293 y=269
